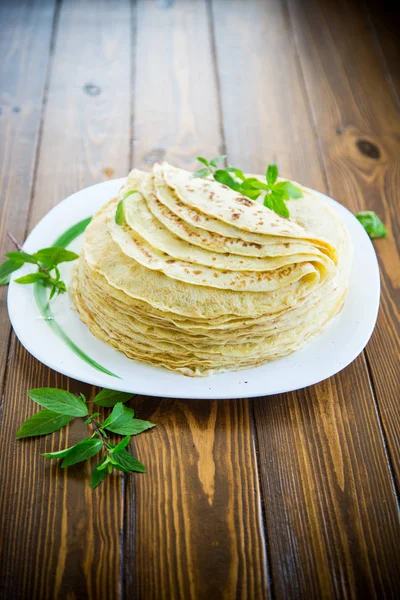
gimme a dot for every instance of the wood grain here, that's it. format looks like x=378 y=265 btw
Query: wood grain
x=59 y=539
x=310 y=442
x=352 y=102
x=198 y=529
x=26 y=31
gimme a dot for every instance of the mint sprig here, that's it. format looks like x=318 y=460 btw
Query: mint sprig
x=46 y=261
x=120 y=212
x=274 y=194
x=61 y=406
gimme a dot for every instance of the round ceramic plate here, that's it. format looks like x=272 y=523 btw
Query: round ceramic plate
x=54 y=334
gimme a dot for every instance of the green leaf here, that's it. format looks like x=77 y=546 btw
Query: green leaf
x=119 y=416
x=290 y=190
x=110 y=398
x=42 y=423
x=59 y=401
x=123 y=443
x=82 y=451
x=97 y=475
x=226 y=179
x=239 y=174
x=54 y=256
x=59 y=454
x=123 y=461
x=272 y=174
x=33 y=278
x=278 y=205
x=203 y=160
x=104 y=463
x=255 y=184
x=8 y=267
x=72 y=233
x=133 y=427
x=119 y=213
x=372 y=224
x=250 y=193
x=217 y=159
x=21 y=256
x=201 y=173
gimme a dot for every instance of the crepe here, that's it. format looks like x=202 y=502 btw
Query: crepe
x=199 y=279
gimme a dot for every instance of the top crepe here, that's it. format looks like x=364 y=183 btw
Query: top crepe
x=200 y=279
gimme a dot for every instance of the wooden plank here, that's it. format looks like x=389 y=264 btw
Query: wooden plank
x=331 y=514
x=357 y=119
x=385 y=23
x=198 y=519
x=60 y=539
x=24 y=49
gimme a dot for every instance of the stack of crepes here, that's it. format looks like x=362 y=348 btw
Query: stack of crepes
x=201 y=280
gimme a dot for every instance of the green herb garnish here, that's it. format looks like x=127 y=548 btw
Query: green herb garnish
x=275 y=194
x=60 y=406
x=119 y=213
x=372 y=224
x=46 y=260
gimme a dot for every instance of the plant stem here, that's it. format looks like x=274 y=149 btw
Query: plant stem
x=14 y=241
x=97 y=430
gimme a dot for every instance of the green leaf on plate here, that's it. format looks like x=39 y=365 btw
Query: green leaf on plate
x=202 y=173
x=203 y=160
x=272 y=174
x=110 y=398
x=226 y=179
x=54 y=256
x=33 y=278
x=21 y=256
x=42 y=423
x=59 y=401
x=82 y=451
x=217 y=159
x=289 y=189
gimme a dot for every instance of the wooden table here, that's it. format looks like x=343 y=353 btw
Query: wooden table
x=290 y=496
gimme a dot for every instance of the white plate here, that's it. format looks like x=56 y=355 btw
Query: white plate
x=327 y=354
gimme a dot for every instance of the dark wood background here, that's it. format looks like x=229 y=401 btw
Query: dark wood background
x=290 y=496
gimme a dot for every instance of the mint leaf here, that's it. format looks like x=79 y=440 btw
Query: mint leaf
x=7 y=268
x=82 y=451
x=217 y=159
x=59 y=401
x=255 y=184
x=203 y=160
x=202 y=173
x=122 y=444
x=119 y=213
x=59 y=454
x=22 y=256
x=239 y=174
x=97 y=475
x=110 y=398
x=290 y=190
x=119 y=416
x=278 y=204
x=372 y=224
x=33 y=278
x=123 y=461
x=54 y=256
x=272 y=174
x=42 y=423
x=226 y=179
x=132 y=427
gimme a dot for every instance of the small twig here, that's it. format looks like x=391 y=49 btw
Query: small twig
x=97 y=430
x=14 y=241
